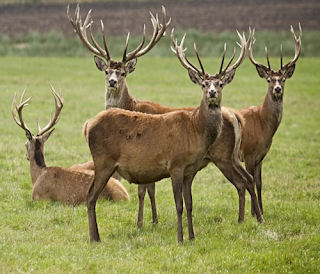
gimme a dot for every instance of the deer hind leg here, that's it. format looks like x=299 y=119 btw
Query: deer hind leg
x=255 y=208
x=235 y=177
x=177 y=182
x=100 y=180
x=151 y=192
x=186 y=189
x=141 y=194
x=257 y=178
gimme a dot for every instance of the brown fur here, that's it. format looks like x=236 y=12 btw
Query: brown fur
x=224 y=153
x=261 y=123
x=67 y=185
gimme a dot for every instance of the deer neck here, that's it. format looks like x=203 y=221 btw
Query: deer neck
x=37 y=161
x=119 y=98
x=271 y=113
x=209 y=119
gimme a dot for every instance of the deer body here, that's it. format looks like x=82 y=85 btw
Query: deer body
x=67 y=185
x=136 y=145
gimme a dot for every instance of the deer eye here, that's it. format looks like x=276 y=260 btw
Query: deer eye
x=203 y=85
x=106 y=72
x=221 y=85
x=123 y=74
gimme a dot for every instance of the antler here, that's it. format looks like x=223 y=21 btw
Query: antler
x=251 y=43
x=19 y=108
x=243 y=47
x=291 y=63
x=53 y=120
x=81 y=30
x=180 y=53
x=297 y=49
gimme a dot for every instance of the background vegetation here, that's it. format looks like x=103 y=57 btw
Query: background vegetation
x=47 y=237
x=209 y=44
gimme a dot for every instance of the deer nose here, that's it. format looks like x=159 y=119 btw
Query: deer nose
x=277 y=89
x=112 y=82
x=212 y=93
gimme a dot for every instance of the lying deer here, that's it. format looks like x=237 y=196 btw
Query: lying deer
x=263 y=121
x=223 y=153
x=67 y=185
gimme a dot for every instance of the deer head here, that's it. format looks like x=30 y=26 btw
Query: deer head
x=276 y=79
x=210 y=84
x=116 y=71
x=35 y=144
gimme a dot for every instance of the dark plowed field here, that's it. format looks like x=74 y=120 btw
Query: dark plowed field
x=119 y=18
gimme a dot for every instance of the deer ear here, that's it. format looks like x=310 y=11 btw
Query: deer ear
x=227 y=79
x=47 y=135
x=101 y=65
x=130 y=67
x=289 y=72
x=194 y=76
x=263 y=72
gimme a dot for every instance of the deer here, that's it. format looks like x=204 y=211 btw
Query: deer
x=145 y=148
x=69 y=186
x=224 y=153
x=117 y=94
x=262 y=122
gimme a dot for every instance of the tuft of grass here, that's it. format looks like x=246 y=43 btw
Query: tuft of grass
x=46 y=237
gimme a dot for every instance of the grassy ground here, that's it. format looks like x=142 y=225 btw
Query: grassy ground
x=47 y=237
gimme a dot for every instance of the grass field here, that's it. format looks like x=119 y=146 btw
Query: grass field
x=49 y=237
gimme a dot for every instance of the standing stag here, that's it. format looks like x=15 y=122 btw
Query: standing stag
x=223 y=153
x=117 y=91
x=145 y=148
x=58 y=183
x=262 y=122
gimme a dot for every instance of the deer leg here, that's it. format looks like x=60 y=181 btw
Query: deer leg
x=250 y=166
x=141 y=194
x=151 y=191
x=100 y=180
x=230 y=171
x=186 y=188
x=257 y=177
x=177 y=182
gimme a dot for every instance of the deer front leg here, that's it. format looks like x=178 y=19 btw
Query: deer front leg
x=151 y=191
x=187 y=183
x=177 y=181
x=141 y=195
x=100 y=180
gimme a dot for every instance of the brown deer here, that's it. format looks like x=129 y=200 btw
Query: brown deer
x=224 y=153
x=145 y=148
x=117 y=91
x=262 y=122
x=62 y=184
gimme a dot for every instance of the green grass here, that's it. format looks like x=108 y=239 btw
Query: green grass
x=49 y=237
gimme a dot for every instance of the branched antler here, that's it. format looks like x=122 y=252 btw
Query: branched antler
x=81 y=29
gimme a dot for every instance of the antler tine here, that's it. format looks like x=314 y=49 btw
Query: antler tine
x=251 y=42
x=180 y=53
x=81 y=30
x=266 y=50
x=297 y=49
x=158 y=31
x=19 y=108
x=58 y=107
x=223 y=55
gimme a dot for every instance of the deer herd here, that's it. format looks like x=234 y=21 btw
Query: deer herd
x=144 y=142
